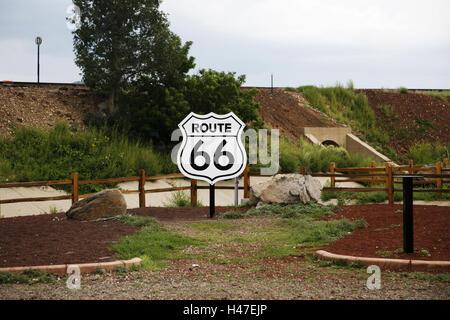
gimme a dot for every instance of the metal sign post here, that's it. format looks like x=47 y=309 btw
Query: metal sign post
x=212 y=149
x=212 y=202
x=408 y=218
x=236 y=191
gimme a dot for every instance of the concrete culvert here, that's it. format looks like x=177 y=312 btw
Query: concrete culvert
x=330 y=143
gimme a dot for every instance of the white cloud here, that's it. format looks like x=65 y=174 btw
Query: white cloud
x=381 y=22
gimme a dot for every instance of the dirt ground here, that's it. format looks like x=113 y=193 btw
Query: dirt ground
x=289 y=112
x=43 y=106
x=271 y=278
x=53 y=239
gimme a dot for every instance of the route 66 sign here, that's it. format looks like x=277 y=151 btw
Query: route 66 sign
x=212 y=148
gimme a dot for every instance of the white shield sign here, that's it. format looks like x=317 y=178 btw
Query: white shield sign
x=212 y=148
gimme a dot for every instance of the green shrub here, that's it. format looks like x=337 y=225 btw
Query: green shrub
x=429 y=153
x=36 y=155
x=231 y=215
x=180 y=198
x=317 y=158
x=403 y=90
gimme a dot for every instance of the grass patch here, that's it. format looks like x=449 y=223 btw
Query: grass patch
x=270 y=231
x=429 y=153
x=441 y=95
x=30 y=276
x=180 y=198
x=213 y=225
x=35 y=154
x=153 y=243
x=231 y=215
x=312 y=210
x=316 y=157
x=396 y=252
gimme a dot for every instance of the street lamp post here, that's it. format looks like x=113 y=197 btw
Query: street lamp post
x=38 y=42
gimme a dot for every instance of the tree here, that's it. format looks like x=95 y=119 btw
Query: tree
x=122 y=43
x=153 y=114
x=220 y=92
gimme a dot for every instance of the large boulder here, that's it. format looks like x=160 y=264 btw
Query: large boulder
x=287 y=188
x=104 y=204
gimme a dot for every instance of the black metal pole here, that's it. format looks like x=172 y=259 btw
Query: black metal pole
x=38 y=64
x=212 y=203
x=408 y=221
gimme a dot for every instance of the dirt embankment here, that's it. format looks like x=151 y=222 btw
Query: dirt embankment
x=290 y=112
x=43 y=106
x=407 y=118
x=410 y=117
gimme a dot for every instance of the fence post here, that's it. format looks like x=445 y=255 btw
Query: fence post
x=411 y=167
x=373 y=165
x=389 y=181
x=142 y=188
x=439 y=171
x=333 y=179
x=445 y=162
x=193 y=192
x=247 y=182
x=74 y=177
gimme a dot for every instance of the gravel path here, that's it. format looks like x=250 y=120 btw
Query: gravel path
x=290 y=278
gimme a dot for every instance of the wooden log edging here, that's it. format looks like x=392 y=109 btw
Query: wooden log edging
x=84 y=267
x=390 y=264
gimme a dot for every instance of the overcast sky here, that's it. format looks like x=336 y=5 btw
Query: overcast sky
x=376 y=44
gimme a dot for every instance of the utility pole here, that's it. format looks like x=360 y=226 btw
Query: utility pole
x=38 y=42
x=271 y=82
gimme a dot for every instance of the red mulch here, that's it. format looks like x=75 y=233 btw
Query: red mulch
x=53 y=239
x=385 y=232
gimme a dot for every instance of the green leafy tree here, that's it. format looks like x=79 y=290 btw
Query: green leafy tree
x=156 y=112
x=121 y=43
x=220 y=92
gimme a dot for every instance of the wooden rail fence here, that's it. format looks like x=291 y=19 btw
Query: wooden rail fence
x=141 y=191
x=389 y=175
x=386 y=175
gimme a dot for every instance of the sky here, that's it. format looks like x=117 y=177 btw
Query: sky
x=375 y=44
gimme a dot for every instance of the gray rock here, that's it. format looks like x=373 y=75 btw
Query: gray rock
x=260 y=205
x=314 y=187
x=106 y=203
x=287 y=188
